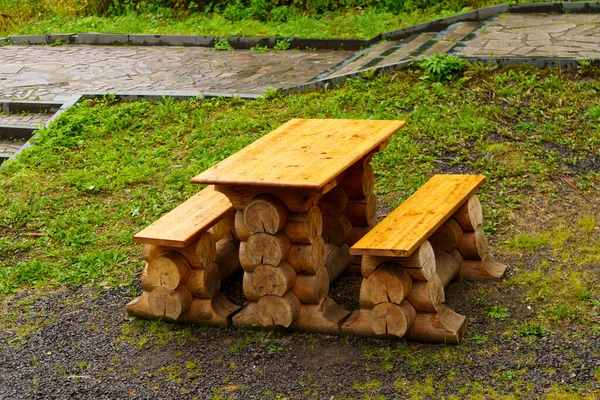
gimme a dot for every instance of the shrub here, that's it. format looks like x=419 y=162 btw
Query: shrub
x=442 y=67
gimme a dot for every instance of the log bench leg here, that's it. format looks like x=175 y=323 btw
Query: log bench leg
x=182 y=284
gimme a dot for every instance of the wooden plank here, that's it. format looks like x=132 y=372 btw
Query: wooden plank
x=188 y=221
x=407 y=227
x=302 y=153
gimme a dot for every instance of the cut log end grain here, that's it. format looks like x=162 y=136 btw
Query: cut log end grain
x=278 y=311
x=275 y=280
x=359 y=324
x=247 y=317
x=139 y=307
x=241 y=231
x=334 y=202
x=311 y=288
x=473 y=244
x=307 y=257
x=446 y=237
x=362 y=212
x=198 y=253
x=392 y=319
x=264 y=248
x=445 y=327
x=228 y=257
x=388 y=284
x=470 y=214
x=245 y=262
x=336 y=230
x=303 y=228
x=266 y=213
x=168 y=270
x=215 y=311
x=169 y=304
x=248 y=288
x=204 y=283
x=421 y=262
x=487 y=268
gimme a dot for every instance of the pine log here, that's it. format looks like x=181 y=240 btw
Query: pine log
x=241 y=231
x=469 y=215
x=268 y=279
x=445 y=326
x=362 y=212
x=353 y=270
x=228 y=257
x=394 y=319
x=295 y=199
x=275 y=310
x=388 y=284
x=139 y=307
x=303 y=228
x=169 y=270
x=225 y=228
x=422 y=260
x=245 y=262
x=336 y=230
x=337 y=259
x=266 y=213
x=364 y=161
x=248 y=288
x=203 y=283
x=326 y=317
x=359 y=324
x=146 y=284
x=358 y=183
x=446 y=237
x=264 y=248
x=214 y=311
x=487 y=268
x=311 y=288
x=427 y=296
x=448 y=265
x=358 y=232
x=247 y=317
x=198 y=253
x=334 y=202
x=473 y=245
x=307 y=257
x=169 y=304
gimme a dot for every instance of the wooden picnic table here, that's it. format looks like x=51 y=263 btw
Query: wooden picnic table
x=300 y=192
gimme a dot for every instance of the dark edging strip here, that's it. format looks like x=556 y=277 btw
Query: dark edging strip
x=29 y=106
x=236 y=42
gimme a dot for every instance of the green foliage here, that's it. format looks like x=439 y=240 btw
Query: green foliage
x=442 y=67
x=282 y=44
x=259 y=48
x=499 y=312
x=222 y=43
x=539 y=331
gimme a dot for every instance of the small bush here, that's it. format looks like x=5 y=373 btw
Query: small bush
x=442 y=67
x=222 y=44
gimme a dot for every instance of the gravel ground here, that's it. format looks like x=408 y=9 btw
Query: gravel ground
x=87 y=347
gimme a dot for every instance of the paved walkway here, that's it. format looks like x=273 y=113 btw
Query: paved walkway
x=55 y=73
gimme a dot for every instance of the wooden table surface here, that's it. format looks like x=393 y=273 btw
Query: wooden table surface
x=302 y=153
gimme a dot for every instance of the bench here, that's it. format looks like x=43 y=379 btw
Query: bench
x=188 y=252
x=413 y=254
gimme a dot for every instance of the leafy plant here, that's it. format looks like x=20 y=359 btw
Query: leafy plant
x=258 y=47
x=272 y=94
x=534 y=331
x=274 y=349
x=283 y=44
x=499 y=312
x=442 y=67
x=221 y=43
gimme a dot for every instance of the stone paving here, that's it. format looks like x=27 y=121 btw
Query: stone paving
x=539 y=35
x=56 y=73
x=33 y=119
x=10 y=146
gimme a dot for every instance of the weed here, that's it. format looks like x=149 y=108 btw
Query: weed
x=283 y=44
x=442 y=67
x=498 y=312
x=539 y=331
x=272 y=94
x=221 y=43
x=274 y=349
x=258 y=48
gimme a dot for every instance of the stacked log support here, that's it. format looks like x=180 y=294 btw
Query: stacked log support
x=473 y=246
x=183 y=283
x=404 y=297
x=283 y=254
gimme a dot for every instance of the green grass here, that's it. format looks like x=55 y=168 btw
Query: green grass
x=105 y=170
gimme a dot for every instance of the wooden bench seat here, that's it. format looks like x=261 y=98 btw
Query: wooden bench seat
x=188 y=221
x=413 y=254
x=408 y=226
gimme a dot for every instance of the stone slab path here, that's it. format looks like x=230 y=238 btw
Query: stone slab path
x=56 y=73
x=538 y=35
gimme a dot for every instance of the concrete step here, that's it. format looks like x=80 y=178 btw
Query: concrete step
x=449 y=38
x=25 y=119
x=364 y=58
x=405 y=49
x=16 y=132
x=29 y=106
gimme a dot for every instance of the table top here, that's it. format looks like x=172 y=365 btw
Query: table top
x=302 y=153
x=408 y=226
